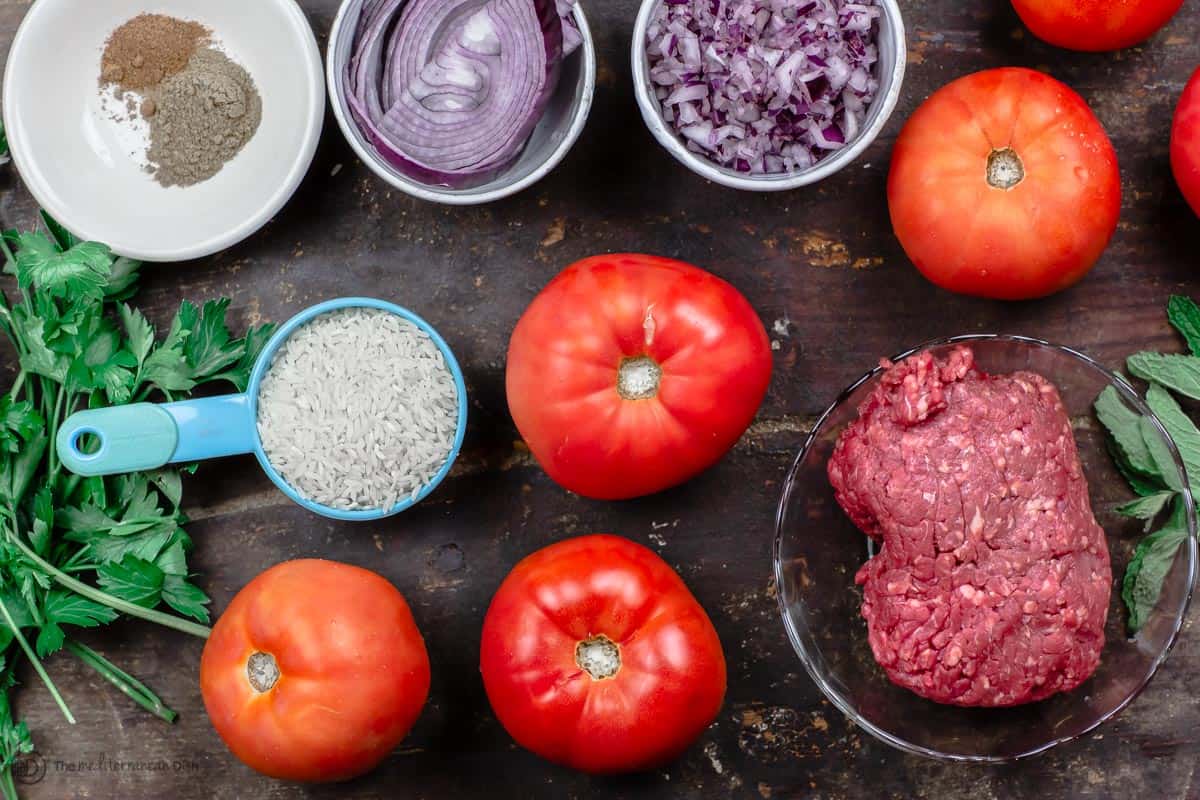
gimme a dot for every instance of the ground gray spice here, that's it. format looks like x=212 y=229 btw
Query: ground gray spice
x=200 y=118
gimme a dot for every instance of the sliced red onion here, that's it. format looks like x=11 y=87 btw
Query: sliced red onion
x=448 y=91
x=764 y=86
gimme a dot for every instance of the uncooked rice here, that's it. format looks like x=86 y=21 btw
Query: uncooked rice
x=358 y=410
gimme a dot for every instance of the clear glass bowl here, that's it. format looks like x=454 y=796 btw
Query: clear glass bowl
x=818 y=550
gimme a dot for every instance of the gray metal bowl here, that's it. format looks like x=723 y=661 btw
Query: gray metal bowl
x=893 y=55
x=554 y=135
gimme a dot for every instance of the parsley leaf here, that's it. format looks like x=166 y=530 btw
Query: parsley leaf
x=208 y=348
x=184 y=597
x=252 y=345
x=138 y=331
x=63 y=238
x=68 y=608
x=84 y=270
x=134 y=579
x=19 y=423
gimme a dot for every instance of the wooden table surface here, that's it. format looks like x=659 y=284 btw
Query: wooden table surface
x=835 y=291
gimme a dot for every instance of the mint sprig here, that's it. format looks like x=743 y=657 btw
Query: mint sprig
x=1143 y=459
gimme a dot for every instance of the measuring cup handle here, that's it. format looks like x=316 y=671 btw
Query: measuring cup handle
x=147 y=436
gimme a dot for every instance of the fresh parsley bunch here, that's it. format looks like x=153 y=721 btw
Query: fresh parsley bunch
x=79 y=552
x=1147 y=465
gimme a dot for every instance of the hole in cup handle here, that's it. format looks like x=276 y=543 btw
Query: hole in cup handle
x=87 y=444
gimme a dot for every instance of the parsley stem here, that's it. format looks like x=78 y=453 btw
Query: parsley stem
x=8 y=786
x=37 y=664
x=54 y=422
x=134 y=689
x=105 y=599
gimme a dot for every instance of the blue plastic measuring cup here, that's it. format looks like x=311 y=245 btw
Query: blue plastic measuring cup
x=144 y=436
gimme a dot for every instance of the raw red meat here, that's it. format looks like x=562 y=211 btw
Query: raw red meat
x=993 y=582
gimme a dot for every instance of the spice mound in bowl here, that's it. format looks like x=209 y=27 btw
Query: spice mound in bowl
x=201 y=106
x=358 y=410
x=993 y=582
x=172 y=135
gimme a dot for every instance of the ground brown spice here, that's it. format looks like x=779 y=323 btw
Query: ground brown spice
x=149 y=48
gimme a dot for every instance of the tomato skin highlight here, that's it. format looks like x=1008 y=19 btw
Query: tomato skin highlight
x=671 y=682
x=564 y=365
x=353 y=671
x=1185 y=143
x=1095 y=25
x=1033 y=239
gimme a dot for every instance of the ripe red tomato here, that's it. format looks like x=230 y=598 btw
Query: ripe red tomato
x=1095 y=25
x=1003 y=184
x=595 y=655
x=1185 y=143
x=629 y=374
x=315 y=672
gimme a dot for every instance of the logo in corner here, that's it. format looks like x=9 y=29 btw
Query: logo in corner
x=28 y=769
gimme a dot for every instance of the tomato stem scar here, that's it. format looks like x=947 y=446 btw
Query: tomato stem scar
x=598 y=656
x=1004 y=168
x=638 y=378
x=262 y=671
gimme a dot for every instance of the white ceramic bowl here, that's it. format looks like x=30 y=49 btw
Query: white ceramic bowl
x=893 y=56
x=556 y=132
x=77 y=162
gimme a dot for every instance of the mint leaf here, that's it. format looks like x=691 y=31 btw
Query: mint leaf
x=1124 y=427
x=1177 y=372
x=1160 y=452
x=1148 y=569
x=134 y=579
x=1180 y=427
x=1147 y=507
x=1184 y=314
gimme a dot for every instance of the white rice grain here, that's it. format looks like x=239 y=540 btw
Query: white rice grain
x=358 y=409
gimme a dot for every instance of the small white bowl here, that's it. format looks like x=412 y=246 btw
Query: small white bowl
x=86 y=169
x=556 y=132
x=893 y=55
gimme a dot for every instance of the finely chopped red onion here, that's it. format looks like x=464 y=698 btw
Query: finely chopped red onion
x=764 y=86
x=358 y=410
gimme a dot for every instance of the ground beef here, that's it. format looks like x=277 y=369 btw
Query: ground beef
x=992 y=585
